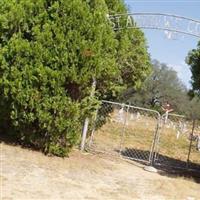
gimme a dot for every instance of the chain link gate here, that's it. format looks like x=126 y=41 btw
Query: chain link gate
x=125 y=130
x=177 y=143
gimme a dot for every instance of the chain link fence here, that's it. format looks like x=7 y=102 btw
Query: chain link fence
x=144 y=135
x=107 y=129
x=193 y=161
x=177 y=143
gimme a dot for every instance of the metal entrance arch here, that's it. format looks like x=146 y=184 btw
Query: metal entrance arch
x=158 y=21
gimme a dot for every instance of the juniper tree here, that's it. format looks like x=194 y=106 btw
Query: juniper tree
x=50 y=52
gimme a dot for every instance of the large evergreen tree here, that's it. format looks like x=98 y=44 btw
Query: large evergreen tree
x=132 y=56
x=50 y=53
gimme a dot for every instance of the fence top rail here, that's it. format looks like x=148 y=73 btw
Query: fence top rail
x=112 y=102
x=176 y=115
x=182 y=116
x=134 y=107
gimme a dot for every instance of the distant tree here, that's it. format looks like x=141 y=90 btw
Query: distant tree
x=193 y=59
x=193 y=110
x=161 y=86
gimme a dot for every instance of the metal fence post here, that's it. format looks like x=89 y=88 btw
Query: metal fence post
x=94 y=128
x=124 y=129
x=84 y=134
x=161 y=126
x=155 y=141
x=86 y=123
x=190 y=146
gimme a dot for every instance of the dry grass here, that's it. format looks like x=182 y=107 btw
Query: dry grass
x=27 y=174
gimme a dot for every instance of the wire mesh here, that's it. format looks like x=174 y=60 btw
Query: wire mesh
x=124 y=130
x=174 y=143
x=108 y=127
x=139 y=134
x=144 y=135
x=194 y=149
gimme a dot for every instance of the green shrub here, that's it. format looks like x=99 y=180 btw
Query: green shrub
x=50 y=52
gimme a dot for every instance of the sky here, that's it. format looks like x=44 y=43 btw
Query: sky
x=172 y=52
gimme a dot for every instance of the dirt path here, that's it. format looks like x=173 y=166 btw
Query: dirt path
x=26 y=174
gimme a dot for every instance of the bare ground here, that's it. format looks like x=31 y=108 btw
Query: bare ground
x=27 y=174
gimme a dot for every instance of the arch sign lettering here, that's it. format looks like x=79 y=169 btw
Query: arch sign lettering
x=166 y=22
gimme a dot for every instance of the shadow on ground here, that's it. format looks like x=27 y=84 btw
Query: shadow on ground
x=6 y=138
x=12 y=140
x=166 y=166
